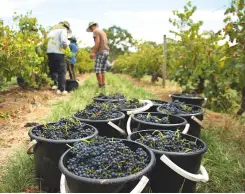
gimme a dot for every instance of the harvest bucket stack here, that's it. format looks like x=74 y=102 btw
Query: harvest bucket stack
x=120 y=145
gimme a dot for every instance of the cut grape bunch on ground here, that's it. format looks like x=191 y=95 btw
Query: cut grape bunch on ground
x=178 y=108
x=153 y=119
x=105 y=158
x=63 y=130
x=99 y=111
x=168 y=141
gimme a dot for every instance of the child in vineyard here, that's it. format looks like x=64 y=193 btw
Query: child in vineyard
x=56 y=55
x=99 y=53
x=72 y=60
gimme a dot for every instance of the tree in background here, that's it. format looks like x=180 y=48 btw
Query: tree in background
x=196 y=61
x=146 y=60
x=84 y=63
x=119 y=40
x=235 y=56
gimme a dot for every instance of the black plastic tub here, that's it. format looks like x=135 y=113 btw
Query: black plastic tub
x=103 y=127
x=165 y=180
x=195 y=128
x=77 y=184
x=176 y=122
x=156 y=104
x=194 y=100
x=47 y=153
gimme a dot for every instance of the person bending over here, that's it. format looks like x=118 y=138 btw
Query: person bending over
x=57 y=43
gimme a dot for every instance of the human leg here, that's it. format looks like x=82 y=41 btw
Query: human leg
x=62 y=73
x=73 y=71
x=52 y=62
x=103 y=79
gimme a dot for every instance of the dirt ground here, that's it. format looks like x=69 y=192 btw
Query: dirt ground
x=19 y=107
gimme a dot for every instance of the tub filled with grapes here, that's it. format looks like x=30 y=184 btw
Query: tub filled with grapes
x=155 y=120
x=50 y=143
x=105 y=165
x=99 y=114
x=187 y=111
x=183 y=150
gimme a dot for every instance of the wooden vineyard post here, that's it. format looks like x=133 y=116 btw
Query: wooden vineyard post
x=164 y=65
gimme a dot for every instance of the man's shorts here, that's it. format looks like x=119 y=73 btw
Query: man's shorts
x=100 y=65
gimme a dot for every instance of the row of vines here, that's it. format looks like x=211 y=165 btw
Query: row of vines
x=23 y=52
x=196 y=59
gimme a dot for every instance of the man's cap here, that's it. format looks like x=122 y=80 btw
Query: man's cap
x=91 y=24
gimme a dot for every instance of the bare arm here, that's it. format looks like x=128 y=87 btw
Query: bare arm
x=97 y=43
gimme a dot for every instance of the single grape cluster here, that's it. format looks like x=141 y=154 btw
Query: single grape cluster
x=168 y=141
x=63 y=130
x=131 y=104
x=179 y=108
x=99 y=111
x=105 y=158
x=153 y=119
x=116 y=96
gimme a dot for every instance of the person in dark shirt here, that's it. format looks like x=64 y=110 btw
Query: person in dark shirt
x=72 y=60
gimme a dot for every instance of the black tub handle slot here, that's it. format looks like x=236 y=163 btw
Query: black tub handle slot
x=141 y=185
x=197 y=121
x=129 y=131
x=117 y=128
x=30 y=149
x=186 y=129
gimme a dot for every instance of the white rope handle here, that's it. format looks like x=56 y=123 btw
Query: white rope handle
x=148 y=105
x=129 y=131
x=114 y=126
x=62 y=184
x=31 y=145
x=205 y=101
x=141 y=185
x=186 y=129
x=202 y=177
x=197 y=120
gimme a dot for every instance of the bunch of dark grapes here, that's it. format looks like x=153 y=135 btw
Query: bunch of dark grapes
x=63 y=130
x=99 y=111
x=131 y=104
x=105 y=158
x=179 y=108
x=153 y=119
x=168 y=141
x=116 y=96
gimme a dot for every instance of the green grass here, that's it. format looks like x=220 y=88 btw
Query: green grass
x=224 y=161
x=19 y=172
